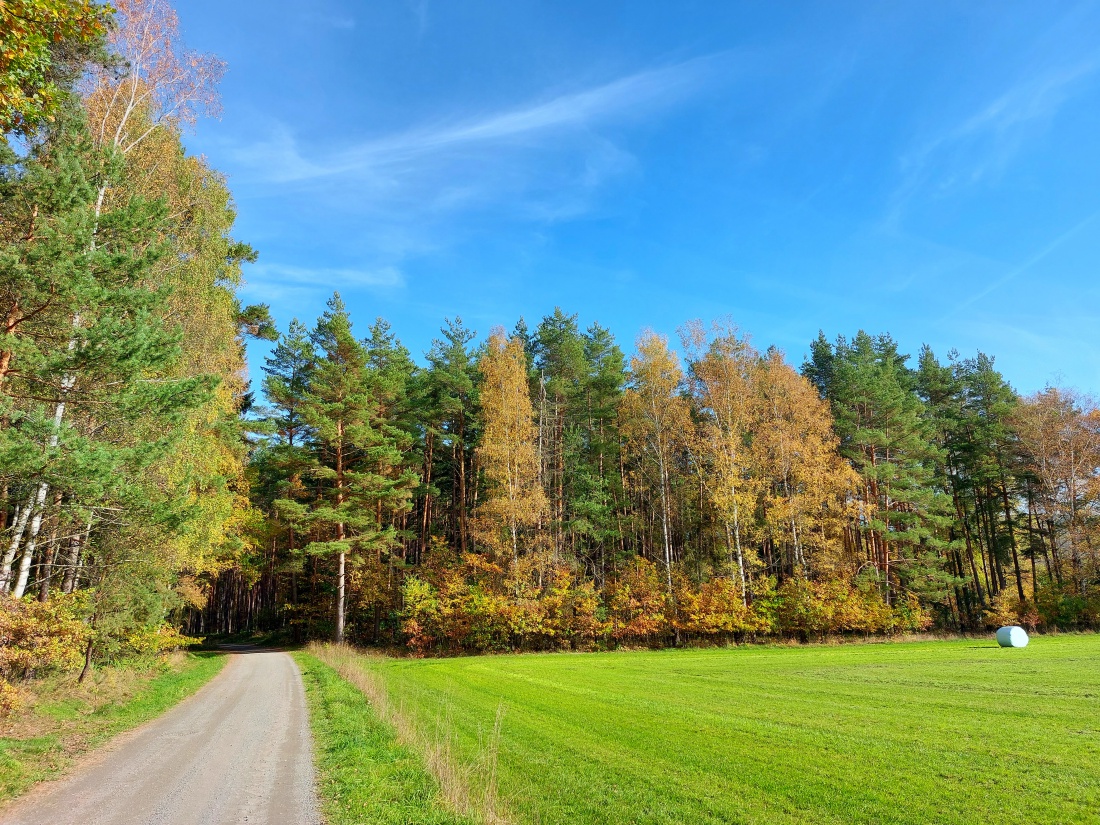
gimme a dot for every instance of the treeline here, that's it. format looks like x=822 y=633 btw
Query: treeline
x=540 y=490
x=536 y=489
x=122 y=452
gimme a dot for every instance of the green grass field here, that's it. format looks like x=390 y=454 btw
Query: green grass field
x=945 y=732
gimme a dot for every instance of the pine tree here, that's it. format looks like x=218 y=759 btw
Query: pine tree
x=939 y=388
x=81 y=338
x=449 y=397
x=594 y=459
x=288 y=369
x=356 y=457
x=885 y=433
x=90 y=393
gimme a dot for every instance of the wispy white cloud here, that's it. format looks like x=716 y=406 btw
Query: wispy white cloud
x=411 y=192
x=280 y=158
x=979 y=147
x=389 y=277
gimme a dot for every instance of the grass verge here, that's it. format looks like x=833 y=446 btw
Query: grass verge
x=365 y=774
x=66 y=719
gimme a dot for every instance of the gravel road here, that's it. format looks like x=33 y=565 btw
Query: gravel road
x=239 y=750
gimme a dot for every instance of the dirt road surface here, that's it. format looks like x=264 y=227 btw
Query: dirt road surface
x=237 y=751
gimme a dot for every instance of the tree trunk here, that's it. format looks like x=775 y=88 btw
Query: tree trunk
x=87 y=662
x=341 y=574
x=463 y=497
x=72 y=568
x=19 y=525
x=32 y=540
x=1012 y=539
x=46 y=570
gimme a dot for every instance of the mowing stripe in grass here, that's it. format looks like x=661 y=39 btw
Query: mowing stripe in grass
x=23 y=762
x=952 y=732
x=364 y=774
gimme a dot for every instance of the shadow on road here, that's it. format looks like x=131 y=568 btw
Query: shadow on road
x=236 y=647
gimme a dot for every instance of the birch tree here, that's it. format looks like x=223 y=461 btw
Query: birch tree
x=722 y=377
x=655 y=420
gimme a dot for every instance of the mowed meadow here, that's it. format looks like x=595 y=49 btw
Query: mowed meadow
x=917 y=732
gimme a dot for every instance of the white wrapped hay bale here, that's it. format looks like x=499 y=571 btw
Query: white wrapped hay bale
x=1012 y=636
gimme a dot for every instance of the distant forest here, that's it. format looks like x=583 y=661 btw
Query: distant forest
x=532 y=489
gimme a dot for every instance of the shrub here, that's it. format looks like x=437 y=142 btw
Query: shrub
x=716 y=608
x=637 y=603
x=37 y=637
x=41 y=636
x=153 y=641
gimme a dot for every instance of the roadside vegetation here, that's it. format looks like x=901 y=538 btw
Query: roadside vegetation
x=122 y=451
x=367 y=772
x=915 y=732
x=62 y=719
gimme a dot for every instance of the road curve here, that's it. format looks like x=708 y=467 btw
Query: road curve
x=239 y=750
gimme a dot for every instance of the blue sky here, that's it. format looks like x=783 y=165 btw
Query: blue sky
x=927 y=169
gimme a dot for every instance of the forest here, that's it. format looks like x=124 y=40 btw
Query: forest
x=547 y=487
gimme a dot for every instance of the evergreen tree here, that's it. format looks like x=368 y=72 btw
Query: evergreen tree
x=448 y=394
x=595 y=476
x=288 y=369
x=90 y=394
x=560 y=373
x=886 y=435
x=356 y=455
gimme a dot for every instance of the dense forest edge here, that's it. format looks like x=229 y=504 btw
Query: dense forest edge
x=533 y=489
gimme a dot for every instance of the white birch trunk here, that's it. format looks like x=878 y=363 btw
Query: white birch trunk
x=32 y=541
x=22 y=517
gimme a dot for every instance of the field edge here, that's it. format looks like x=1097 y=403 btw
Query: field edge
x=364 y=773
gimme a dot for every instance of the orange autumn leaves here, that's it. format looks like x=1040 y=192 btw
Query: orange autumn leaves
x=746 y=429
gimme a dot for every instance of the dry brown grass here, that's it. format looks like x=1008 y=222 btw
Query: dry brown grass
x=468 y=788
x=68 y=703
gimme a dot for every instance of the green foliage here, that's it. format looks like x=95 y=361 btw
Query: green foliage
x=88 y=397
x=43 y=45
x=886 y=434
